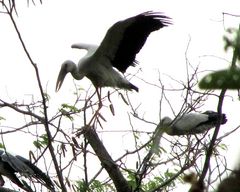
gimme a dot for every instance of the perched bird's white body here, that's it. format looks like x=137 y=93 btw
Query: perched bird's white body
x=104 y=64
x=186 y=124
x=192 y=123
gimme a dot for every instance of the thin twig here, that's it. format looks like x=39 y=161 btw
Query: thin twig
x=51 y=148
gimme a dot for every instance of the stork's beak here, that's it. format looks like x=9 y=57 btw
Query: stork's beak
x=60 y=78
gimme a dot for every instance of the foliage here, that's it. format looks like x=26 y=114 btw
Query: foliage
x=223 y=79
x=95 y=186
x=227 y=78
x=232 y=41
x=41 y=142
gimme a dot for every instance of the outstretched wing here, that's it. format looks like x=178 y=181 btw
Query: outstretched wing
x=89 y=47
x=126 y=38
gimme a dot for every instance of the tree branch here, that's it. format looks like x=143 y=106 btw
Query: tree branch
x=200 y=182
x=106 y=160
x=213 y=140
x=45 y=122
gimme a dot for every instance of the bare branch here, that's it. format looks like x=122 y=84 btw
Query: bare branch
x=106 y=160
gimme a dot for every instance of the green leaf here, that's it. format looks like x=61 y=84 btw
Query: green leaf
x=37 y=144
x=2 y=118
x=95 y=186
x=152 y=184
x=131 y=178
x=47 y=96
x=2 y=146
x=223 y=146
x=70 y=108
x=232 y=40
x=223 y=79
x=81 y=185
x=41 y=141
x=67 y=110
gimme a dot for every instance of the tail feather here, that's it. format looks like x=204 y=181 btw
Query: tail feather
x=214 y=117
x=126 y=85
x=133 y=87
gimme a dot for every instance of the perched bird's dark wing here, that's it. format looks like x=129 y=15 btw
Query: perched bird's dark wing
x=7 y=171
x=38 y=174
x=12 y=164
x=214 y=117
x=16 y=164
x=9 y=165
x=125 y=38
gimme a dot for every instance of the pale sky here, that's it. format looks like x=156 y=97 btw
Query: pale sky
x=49 y=30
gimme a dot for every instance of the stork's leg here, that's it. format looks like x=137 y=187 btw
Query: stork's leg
x=98 y=90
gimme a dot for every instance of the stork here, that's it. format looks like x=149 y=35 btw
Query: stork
x=12 y=164
x=192 y=123
x=187 y=124
x=105 y=64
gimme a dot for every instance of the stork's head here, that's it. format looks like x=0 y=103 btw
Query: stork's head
x=67 y=66
x=166 y=124
x=166 y=121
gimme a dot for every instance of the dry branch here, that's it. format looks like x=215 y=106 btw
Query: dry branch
x=106 y=160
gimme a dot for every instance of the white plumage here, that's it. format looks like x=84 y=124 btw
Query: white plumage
x=104 y=64
x=192 y=123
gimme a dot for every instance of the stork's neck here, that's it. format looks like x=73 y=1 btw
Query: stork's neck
x=73 y=69
x=76 y=75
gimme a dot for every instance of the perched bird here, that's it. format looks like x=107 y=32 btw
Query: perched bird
x=12 y=164
x=104 y=65
x=192 y=123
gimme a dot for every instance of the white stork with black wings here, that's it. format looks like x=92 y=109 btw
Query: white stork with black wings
x=117 y=51
x=187 y=124
x=192 y=123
